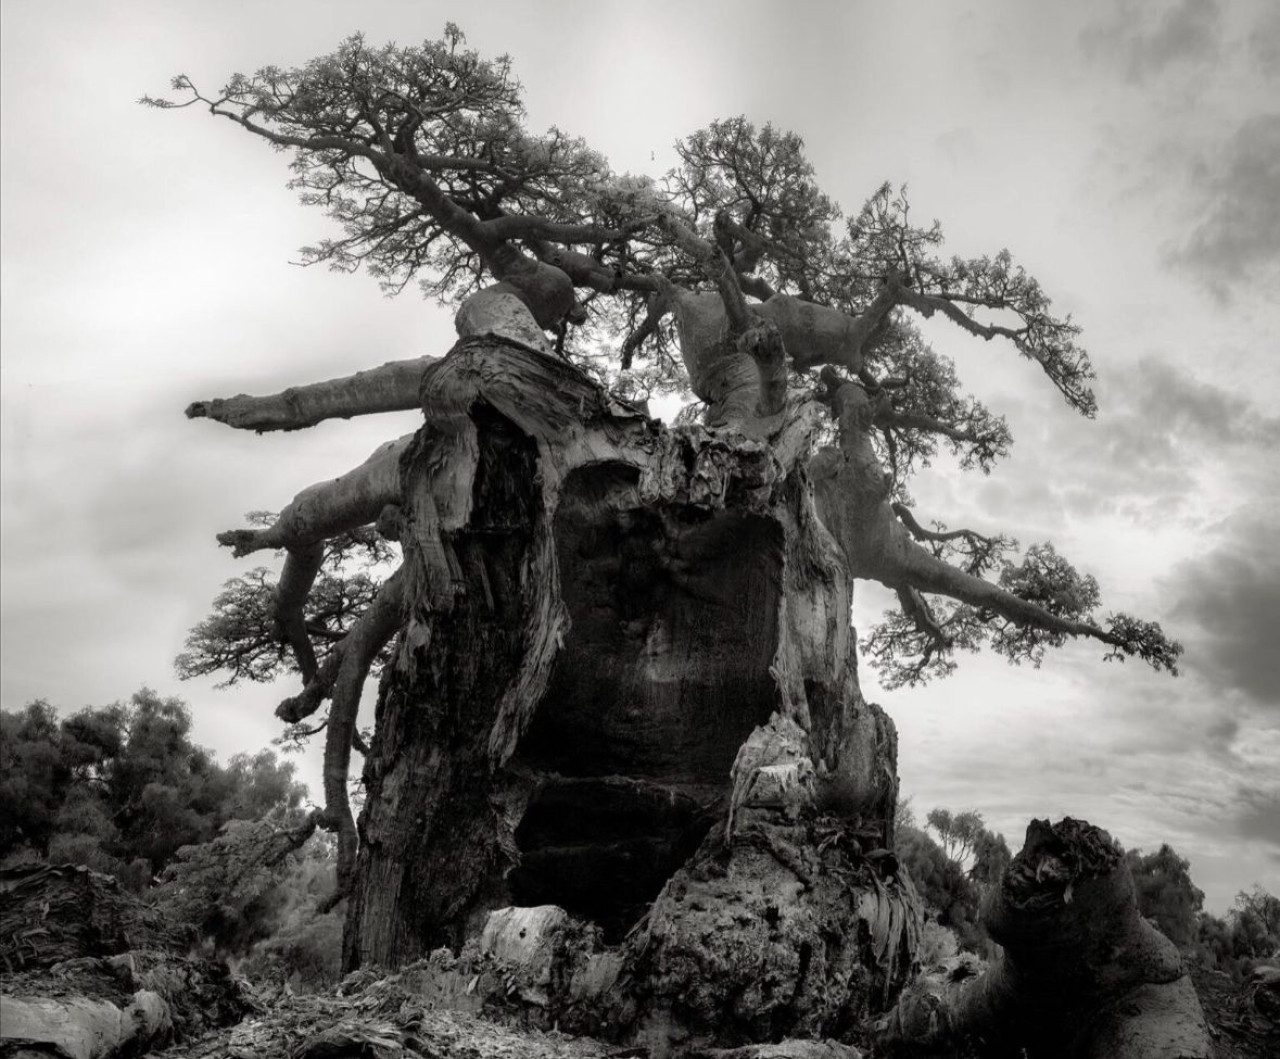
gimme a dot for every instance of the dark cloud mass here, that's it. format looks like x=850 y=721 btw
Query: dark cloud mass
x=1231 y=596
x=1174 y=403
x=1264 y=42
x=1237 y=231
x=1144 y=43
x=1259 y=815
x=1161 y=432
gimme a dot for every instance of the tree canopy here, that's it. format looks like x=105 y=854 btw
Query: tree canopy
x=122 y=787
x=1166 y=894
x=421 y=156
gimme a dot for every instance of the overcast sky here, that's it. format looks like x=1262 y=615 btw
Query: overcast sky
x=1128 y=154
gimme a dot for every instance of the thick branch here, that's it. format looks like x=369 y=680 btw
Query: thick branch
x=908 y=563
x=764 y=346
x=887 y=417
x=917 y=609
x=328 y=508
x=393 y=387
x=301 y=567
x=345 y=144
x=908 y=519
x=717 y=268
x=852 y=333
x=659 y=304
x=1067 y=369
x=927 y=304
x=368 y=635
x=853 y=499
x=526 y=226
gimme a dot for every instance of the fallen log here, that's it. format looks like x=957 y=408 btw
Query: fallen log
x=80 y=1028
x=91 y=972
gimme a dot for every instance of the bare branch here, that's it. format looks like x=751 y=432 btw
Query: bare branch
x=300 y=569
x=393 y=387
x=328 y=508
x=367 y=638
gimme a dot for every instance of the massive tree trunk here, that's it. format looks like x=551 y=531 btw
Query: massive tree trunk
x=602 y=612
x=625 y=685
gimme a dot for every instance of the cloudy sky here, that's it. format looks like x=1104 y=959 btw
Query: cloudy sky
x=1128 y=154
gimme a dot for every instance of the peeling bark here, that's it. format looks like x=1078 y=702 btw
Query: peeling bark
x=81 y=1028
x=91 y=972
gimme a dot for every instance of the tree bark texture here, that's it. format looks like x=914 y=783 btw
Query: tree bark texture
x=604 y=616
x=52 y=913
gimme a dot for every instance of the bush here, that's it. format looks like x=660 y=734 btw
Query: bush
x=305 y=948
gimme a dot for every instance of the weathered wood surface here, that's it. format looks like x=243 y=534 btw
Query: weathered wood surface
x=1081 y=976
x=92 y=972
x=50 y=913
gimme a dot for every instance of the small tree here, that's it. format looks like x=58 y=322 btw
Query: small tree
x=958 y=833
x=1166 y=895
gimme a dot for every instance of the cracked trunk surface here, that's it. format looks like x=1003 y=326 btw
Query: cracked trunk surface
x=605 y=615
x=433 y=831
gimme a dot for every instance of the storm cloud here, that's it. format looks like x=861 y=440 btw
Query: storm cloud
x=1144 y=43
x=1230 y=598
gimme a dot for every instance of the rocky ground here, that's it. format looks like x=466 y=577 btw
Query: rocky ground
x=488 y=1003
x=1244 y=1019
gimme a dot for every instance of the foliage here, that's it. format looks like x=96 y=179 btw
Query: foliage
x=33 y=775
x=120 y=788
x=304 y=947
x=957 y=832
x=241 y=640
x=955 y=871
x=897 y=645
x=1248 y=935
x=230 y=887
x=1165 y=893
x=937 y=943
x=950 y=898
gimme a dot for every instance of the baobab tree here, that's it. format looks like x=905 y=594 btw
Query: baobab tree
x=595 y=616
